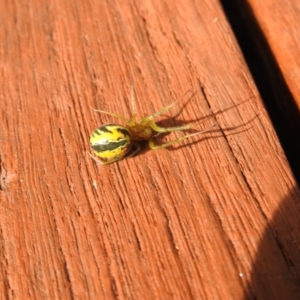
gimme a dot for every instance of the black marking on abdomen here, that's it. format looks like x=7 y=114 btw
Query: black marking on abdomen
x=124 y=131
x=110 y=146
x=103 y=129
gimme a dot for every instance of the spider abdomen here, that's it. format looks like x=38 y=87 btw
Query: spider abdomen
x=111 y=142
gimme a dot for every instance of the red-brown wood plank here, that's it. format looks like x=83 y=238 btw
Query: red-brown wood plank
x=279 y=23
x=216 y=217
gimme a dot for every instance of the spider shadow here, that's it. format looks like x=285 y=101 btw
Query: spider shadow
x=169 y=122
x=213 y=134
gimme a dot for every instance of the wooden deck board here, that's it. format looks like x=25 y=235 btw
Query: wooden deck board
x=279 y=23
x=215 y=217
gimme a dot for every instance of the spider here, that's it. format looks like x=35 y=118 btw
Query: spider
x=113 y=142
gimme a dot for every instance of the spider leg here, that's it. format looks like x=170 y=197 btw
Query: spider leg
x=137 y=150
x=159 y=129
x=103 y=162
x=111 y=114
x=133 y=105
x=157 y=147
x=158 y=113
x=163 y=110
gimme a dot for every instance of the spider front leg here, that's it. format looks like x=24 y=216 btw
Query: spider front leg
x=163 y=110
x=160 y=130
x=165 y=145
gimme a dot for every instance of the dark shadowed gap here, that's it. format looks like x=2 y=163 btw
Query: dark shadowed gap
x=273 y=89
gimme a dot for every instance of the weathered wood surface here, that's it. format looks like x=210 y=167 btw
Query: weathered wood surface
x=216 y=217
x=279 y=22
x=267 y=32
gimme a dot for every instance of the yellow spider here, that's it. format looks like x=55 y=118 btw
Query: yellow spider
x=113 y=142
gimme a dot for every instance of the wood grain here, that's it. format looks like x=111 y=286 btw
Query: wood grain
x=279 y=23
x=267 y=45
x=216 y=217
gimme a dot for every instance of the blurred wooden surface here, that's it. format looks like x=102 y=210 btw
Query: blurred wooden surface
x=216 y=217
